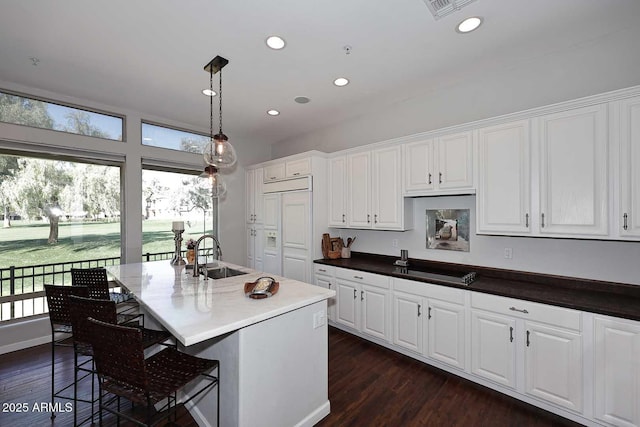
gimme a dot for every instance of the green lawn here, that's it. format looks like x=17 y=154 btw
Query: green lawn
x=26 y=243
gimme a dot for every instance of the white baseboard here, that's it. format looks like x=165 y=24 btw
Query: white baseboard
x=315 y=417
x=21 y=345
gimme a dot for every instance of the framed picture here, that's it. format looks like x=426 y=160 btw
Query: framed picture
x=448 y=229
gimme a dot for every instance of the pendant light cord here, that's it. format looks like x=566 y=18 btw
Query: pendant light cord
x=220 y=95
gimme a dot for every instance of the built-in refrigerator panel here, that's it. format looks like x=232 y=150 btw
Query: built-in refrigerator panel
x=296 y=235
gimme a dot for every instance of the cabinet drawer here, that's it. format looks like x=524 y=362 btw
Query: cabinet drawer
x=273 y=172
x=298 y=167
x=428 y=290
x=325 y=270
x=557 y=316
x=363 y=277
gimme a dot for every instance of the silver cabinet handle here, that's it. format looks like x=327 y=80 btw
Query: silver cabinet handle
x=419 y=310
x=322 y=269
x=296 y=174
x=440 y=178
x=542 y=220
x=526 y=220
x=361 y=295
x=329 y=285
x=429 y=313
x=358 y=277
x=528 y=341
x=375 y=219
x=510 y=333
x=517 y=309
x=343 y=217
x=429 y=178
x=368 y=218
x=272 y=177
x=625 y=217
x=354 y=294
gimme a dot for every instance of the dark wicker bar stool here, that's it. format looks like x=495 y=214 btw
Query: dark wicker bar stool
x=104 y=310
x=123 y=371
x=98 y=283
x=58 y=298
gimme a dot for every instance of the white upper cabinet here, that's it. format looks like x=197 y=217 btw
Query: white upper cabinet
x=366 y=191
x=338 y=192
x=359 y=190
x=274 y=172
x=573 y=172
x=287 y=169
x=629 y=216
x=504 y=180
x=442 y=165
x=253 y=192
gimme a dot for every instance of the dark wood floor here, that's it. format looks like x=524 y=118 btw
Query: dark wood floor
x=368 y=386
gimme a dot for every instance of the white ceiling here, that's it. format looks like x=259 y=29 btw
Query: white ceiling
x=148 y=56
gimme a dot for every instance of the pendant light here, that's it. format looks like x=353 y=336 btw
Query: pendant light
x=218 y=186
x=218 y=153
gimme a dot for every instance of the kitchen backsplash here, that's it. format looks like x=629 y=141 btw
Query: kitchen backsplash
x=614 y=261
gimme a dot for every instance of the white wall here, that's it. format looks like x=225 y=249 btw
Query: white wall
x=605 y=64
x=590 y=259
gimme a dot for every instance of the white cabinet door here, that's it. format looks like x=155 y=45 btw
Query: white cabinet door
x=253 y=194
x=455 y=161
x=347 y=308
x=327 y=282
x=418 y=166
x=446 y=333
x=375 y=314
x=359 y=190
x=271 y=209
x=407 y=321
x=274 y=172
x=617 y=371
x=338 y=192
x=296 y=220
x=298 y=167
x=504 y=187
x=387 y=200
x=493 y=354
x=295 y=266
x=553 y=365
x=630 y=168
x=250 y=247
x=573 y=172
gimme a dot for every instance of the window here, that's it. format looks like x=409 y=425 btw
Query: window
x=174 y=139
x=171 y=196
x=56 y=215
x=37 y=113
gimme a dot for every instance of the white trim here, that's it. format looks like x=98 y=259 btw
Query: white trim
x=21 y=345
x=314 y=417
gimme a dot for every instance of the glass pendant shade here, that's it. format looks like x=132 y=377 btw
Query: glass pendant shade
x=218 y=186
x=219 y=152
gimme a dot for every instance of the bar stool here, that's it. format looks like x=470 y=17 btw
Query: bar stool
x=60 y=318
x=98 y=283
x=123 y=371
x=82 y=309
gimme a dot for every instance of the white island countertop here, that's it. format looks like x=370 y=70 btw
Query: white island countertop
x=195 y=310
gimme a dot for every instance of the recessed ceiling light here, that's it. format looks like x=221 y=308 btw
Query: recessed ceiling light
x=341 y=81
x=209 y=92
x=469 y=24
x=275 y=42
x=273 y=112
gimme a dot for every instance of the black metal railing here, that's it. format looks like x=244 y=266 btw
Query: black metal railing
x=22 y=288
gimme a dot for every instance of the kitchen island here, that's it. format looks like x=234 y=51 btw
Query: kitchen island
x=273 y=352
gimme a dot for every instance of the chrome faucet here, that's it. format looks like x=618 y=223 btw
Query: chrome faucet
x=196 y=265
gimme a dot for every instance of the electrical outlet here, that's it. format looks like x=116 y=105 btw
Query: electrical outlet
x=508 y=253
x=394 y=243
x=318 y=319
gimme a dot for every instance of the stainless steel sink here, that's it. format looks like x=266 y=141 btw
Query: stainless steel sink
x=224 y=272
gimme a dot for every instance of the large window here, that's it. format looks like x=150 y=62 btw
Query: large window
x=174 y=139
x=33 y=112
x=55 y=215
x=168 y=197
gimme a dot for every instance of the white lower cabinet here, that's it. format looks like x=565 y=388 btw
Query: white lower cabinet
x=325 y=277
x=435 y=311
x=363 y=302
x=617 y=371
x=255 y=239
x=548 y=338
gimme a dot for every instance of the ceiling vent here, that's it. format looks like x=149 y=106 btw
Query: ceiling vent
x=440 y=8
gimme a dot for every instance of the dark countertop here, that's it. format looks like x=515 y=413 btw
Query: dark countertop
x=614 y=299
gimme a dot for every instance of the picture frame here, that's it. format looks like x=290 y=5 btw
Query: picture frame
x=448 y=229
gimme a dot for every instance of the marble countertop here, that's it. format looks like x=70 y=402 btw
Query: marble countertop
x=195 y=310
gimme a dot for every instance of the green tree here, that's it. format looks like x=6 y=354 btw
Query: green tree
x=80 y=122
x=193 y=145
x=8 y=166
x=24 y=111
